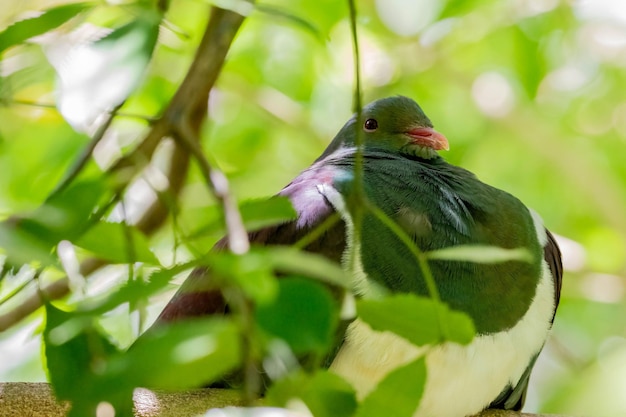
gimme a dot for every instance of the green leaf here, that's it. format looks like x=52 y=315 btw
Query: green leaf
x=134 y=290
x=480 y=254
x=97 y=77
x=117 y=242
x=76 y=354
x=256 y=214
x=455 y=8
x=304 y=315
x=293 y=261
x=33 y=237
x=267 y=212
x=416 y=319
x=67 y=335
x=399 y=394
x=66 y=215
x=186 y=354
x=299 y=21
x=529 y=62
x=23 y=30
x=23 y=247
x=251 y=271
x=324 y=393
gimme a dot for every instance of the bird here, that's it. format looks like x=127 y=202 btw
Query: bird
x=438 y=205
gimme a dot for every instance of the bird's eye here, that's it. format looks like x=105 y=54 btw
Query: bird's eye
x=370 y=125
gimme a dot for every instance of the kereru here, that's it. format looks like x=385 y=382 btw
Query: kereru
x=439 y=205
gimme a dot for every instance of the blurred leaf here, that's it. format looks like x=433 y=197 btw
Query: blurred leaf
x=117 y=242
x=597 y=389
x=256 y=214
x=399 y=394
x=251 y=271
x=186 y=354
x=76 y=354
x=457 y=7
x=134 y=290
x=37 y=70
x=290 y=17
x=97 y=77
x=529 y=62
x=66 y=215
x=23 y=30
x=480 y=254
x=415 y=319
x=22 y=246
x=33 y=237
x=304 y=315
x=267 y=212
x=324 y=393
x=293 y=261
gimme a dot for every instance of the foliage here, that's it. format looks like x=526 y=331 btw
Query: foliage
x=100 y=203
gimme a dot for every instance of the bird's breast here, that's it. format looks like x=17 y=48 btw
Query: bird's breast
x=461 y=380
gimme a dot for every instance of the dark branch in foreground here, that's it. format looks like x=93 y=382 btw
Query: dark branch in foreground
x=36 y=400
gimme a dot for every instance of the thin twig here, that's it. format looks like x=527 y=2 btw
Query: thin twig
x=17 y=290
x=217 y=183
x=357 y=101
x=53 y=106
x=85 y=155
x=358 y=196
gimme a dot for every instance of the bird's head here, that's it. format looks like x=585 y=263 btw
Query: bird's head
x=394 y=124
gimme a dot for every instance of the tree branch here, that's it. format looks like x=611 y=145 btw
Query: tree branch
x=37 y=400
x=188 y=107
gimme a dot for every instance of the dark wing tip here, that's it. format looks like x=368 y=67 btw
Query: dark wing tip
x=552 y=255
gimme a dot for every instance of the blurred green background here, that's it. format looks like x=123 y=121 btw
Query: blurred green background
x=530 y=93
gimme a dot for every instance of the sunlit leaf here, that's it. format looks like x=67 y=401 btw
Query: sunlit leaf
x=25 y=29
x=324 y=393
x=21 y=246
x=304 y=315
x=397 y=395
x=99 y=76
x=117 y=242
x=252 y=272
x=33 y=237
x=290 y=17
x=293 y=261
x=417 y=319
x=66 y=214
x=262 y=213
x=530 y=65
x=457 y=7
x=183 y=355
x=480 y=254
x=255 y=214
x=134 y=290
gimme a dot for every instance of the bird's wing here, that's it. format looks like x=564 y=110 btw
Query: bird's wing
x=512 y=398
x=199 y=295
x=552 y=255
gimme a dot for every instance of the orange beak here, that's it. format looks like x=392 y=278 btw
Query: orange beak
x=429 y=137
